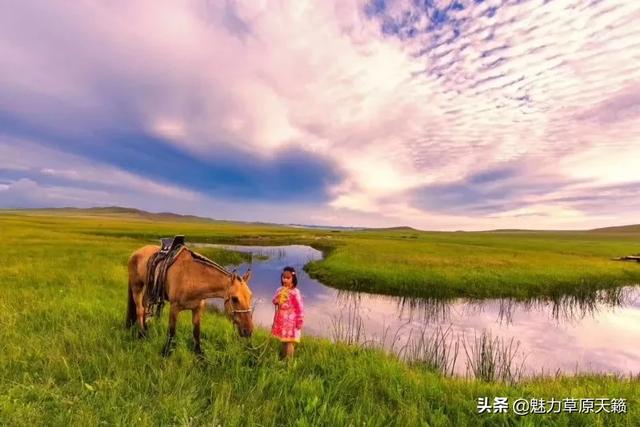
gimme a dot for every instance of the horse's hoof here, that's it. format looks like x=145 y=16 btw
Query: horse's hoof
x=142 y=335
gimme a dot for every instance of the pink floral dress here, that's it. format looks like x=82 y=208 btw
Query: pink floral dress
x=289 y=317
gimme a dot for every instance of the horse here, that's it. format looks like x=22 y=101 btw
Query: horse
x=190 y=280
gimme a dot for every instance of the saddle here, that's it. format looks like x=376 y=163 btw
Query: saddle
x=157 y=268
x=167 y=244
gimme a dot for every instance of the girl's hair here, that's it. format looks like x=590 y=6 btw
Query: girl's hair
x=294 y=276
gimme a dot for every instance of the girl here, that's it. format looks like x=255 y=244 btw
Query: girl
x=289 y=317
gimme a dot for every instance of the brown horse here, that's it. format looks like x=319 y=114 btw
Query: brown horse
x=190 y=280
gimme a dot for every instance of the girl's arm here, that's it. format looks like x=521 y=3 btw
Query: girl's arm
x=298 y=308
x=276 y=297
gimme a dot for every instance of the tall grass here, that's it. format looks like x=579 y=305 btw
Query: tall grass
x=493 y=358
x=437 y=350
x=487 y=358
x=348 y=326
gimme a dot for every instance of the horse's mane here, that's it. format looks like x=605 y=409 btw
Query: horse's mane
x=204 y=260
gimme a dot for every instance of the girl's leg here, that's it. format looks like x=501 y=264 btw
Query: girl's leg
x=290 y=349
x=286 y=351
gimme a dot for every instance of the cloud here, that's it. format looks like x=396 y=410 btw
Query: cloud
x=501 y=189
x=51 y=178
x=26 y=193
x=624 y=106
x=383 y=112
x=58 y=167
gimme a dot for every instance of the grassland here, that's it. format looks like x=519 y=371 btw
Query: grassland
x=400 y=261
x=481 y=265
x=65 y=358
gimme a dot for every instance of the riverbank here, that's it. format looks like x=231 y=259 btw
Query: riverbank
x=66 y=358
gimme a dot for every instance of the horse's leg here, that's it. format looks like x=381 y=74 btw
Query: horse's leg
x=142 y=325
x=173 y=319
x=196 y=317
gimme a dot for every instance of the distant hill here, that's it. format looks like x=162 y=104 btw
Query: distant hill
x=170 y=216
x=514 y=230
x=119 y=210
x=634 y=228
x=138 y=213
x=614 y=229
x=399 y=228
x=97 y=210
x=326 y=227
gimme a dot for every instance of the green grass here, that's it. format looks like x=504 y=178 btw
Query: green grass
x=481 y=265
x=65 y=357
x=399 y=262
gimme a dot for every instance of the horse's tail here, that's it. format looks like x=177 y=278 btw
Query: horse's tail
x=131 y=304
x=131 y=309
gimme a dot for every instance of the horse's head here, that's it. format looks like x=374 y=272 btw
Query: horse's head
x=237 y=303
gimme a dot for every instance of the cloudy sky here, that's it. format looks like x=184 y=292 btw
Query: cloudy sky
x=434 y=114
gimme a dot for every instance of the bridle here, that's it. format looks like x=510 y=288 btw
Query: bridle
x=234 y=310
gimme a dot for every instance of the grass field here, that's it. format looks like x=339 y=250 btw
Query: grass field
x=401 y=262
x=65 y=357
x=480 y=265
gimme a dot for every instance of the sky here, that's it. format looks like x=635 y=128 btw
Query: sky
x=440 y=115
